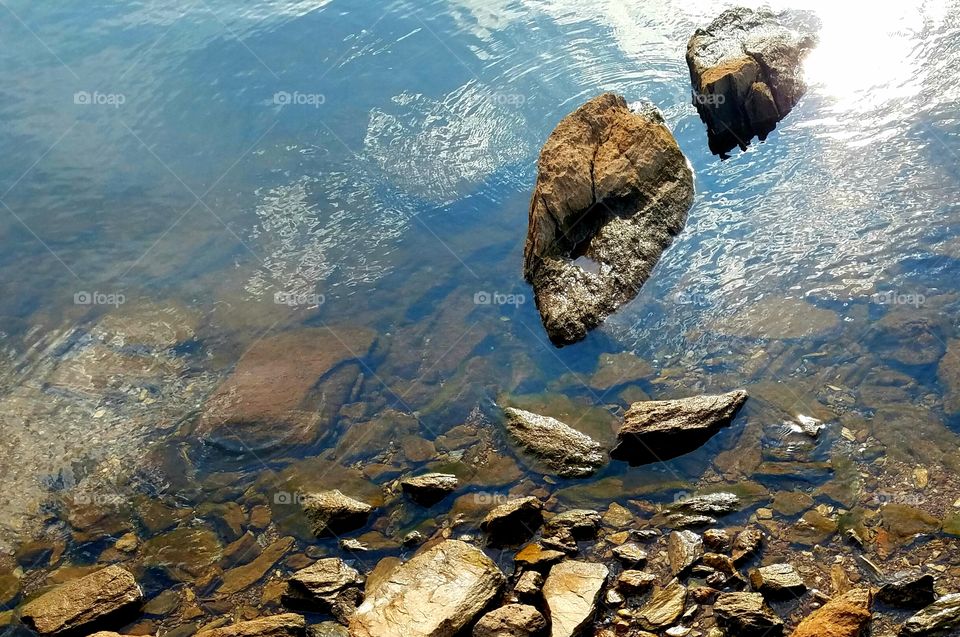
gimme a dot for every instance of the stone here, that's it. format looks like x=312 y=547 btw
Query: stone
x=185 y=553
x=322 y=584
x=684 y=548
x=632 y=582
x=630 y=554
x=242 y=551
x=512 y=620
x=746 y=69
x=777 y=580
x=948 y=374
x=430 y=488
x=270 y=399
x=907 y=589
x=560 y=449
x=513 y=522
x=535 y=556
x=939 y=619
x=717 y=540
x=711 y=503
x=664 y=607
x=845 y=616
x=613 y=189
x=327 y=629
x=243 y=577
x=99 y=597
x=746 y=615
x=581 y=524
x=529 y=585
x=440 y=591
x=285 y=625
x=904 y=522
x=571 y=592
x=791 y=503
x=333 y=513
x=812 y=529
x=659 y=430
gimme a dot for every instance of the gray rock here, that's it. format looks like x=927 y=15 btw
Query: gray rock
x=747 y=73
x=613 y=189
x=710 y=503
x=908 y=589
x=685 y=548
x=436 y=594
x=512 y=620
x=96 y=598
x=332 y=513
x=939 y=619
x=746 y=615
x=664 y=607
x=285 y=625
x=777 y=580
x=562 y=450
x=657 y=430
x=684 y=521
x=571 y=592
x=513 y=522
x=580 y=523
x=430 y=488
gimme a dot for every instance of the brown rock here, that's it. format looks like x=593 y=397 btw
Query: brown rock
x=286 y=625
x=844 y=616
x=571 y=593
x=560 y=449
x=512 y=620
x=242 y=577
x=332 y=512
x=513 y=522
x=631 y=582
x=746 y=615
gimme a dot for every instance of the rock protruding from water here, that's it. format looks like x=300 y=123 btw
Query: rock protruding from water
x=747 y=73
x=428 y=489
x=285 y=625
x=564 y=451
x=777 y=580
x=684 y=549
x=656 y=430
x=512 y=620
x=332 y=512
x=939 y=618
x=845 y=616
x=97 y=598
x=513 y=522
x=909 y=589
x=436 y=594
x=326 y=584
x=746 y=615
x=571 y=592
x=613 y=189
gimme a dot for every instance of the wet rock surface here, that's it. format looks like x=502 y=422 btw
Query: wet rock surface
x=613 y=189
x=747 y=75
x=660 y=430
x=907 y=590
x=777 y=580
x=939 y=619
x=563 y=451
x=571 y=591
x=324 y=584
x=845 y=616
x=332 y=512
x=685 y=548
x=430 y=488
x=514 y=521
x=746 y=615
x=284 y=625
x=512 y=620
x=664 y=607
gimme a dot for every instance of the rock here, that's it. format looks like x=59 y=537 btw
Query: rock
x=746 y=615
x=948 y=374
x=664 y=607
x=333 y=513
x=844 y=616
x=632 y=582
x=613 y=189
x=435 y=594
x=711 y=503
x=327 y=629
x=512 y=620
x=908 y=589
x=322 y=584
x=904 y=522
x=777 y=580
x=242 y=551
x=812 y=529
x=682 y=521
x=791 y=503
x=659 y=430
x=581 y=524
x=630 y=554
x=562 y=450
x=286 y=625
x=535 y=556
x=99 y=597
x=747 y=75
x=271 y=399
x=243 y=577
x=529 y=585
x=939 y=619
x=430 y=488
x=685 y=548
x=571 y=592
x=514 y=521
x=746 y=544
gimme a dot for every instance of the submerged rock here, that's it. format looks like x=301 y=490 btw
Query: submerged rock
x=285 y=625
x=96 y=598
x=332 y=513
x=514 y=521
x=659 y=430
x=512 y=620
x=429 y=489
x=844 y=616
x=436 y=594
x=777 y=580
x=563 y=450
x=664 y=607
x=571 y=592
x=747 y=75
x=746 y=615
x=949 y=375
x=941 y=618
x=613 y=189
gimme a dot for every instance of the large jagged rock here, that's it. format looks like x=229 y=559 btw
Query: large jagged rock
x=845 y=616
x=571 y=592
x=908 y=589
x=613 y=189
x=746 y=615
x=285 y=625
x=656 y=430
x=513 y=522
x=96 y=598
x=747 y=72
x=327 y=585
x=333 y=513
x=561 y=449
x=436 y=594
x=939 y=619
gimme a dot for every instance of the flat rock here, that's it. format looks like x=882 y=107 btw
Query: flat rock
x=95 y=598
x=630 y=554
x=561 y=449
x=285 y=625
x=777 y=580
x=684 y=548
x=908 y=589
x=430 y=488
x=436 y=594
x=323 y=582
x=664 y=607
x=512 y=620
x=746 y=544
x=845 y=616
x=939 y=619
x=631 y=582
x=571 y=591
x=536 y=556
x=613 y=189
x=529 y=585
x=746 y=615
x=746 y=68
x=243 y=577
x=513 y=522
x=710 y=503
x=658 y=430
x=333 y=513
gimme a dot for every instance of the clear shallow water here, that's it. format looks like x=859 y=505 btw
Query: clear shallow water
x=371 y=164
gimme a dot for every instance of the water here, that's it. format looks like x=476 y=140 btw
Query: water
x=182 y=181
